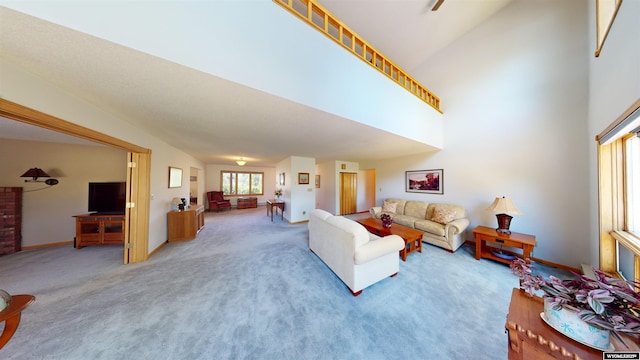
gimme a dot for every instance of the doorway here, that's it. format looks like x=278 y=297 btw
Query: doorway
x=348 y=193
x=136 y=232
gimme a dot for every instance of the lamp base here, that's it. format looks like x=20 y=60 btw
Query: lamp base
x=504 y=221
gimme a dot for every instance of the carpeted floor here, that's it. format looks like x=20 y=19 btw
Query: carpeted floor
x=249 y=288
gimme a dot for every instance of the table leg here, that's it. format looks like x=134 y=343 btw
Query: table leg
x=478 y=248
x=526 y=251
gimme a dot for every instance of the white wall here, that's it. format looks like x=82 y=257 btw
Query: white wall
x=19 y=86
x=324 y=195
x=303 y=196
x=514 y=96
x=614 y=84
x=48 y=211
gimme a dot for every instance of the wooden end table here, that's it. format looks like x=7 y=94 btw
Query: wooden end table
x=11 y=316
x=412 y=237
x=278 y=204
x=485 y=234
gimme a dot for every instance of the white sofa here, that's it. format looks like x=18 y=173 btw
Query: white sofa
x=356 y=256
x=443 y=224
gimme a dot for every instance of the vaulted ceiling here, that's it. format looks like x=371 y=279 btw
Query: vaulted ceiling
x=260 y=127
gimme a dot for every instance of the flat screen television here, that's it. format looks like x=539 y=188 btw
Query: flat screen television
x=107 y=197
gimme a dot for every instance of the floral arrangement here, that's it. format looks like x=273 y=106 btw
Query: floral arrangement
x=386 y=220
x=606 y=303
x=278 y=192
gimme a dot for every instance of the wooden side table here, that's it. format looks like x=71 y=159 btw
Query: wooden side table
x=485 y=234
x=11 y=316
x=277 y=204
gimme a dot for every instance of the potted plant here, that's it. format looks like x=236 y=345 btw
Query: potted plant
x=278 y=194
x=605 y=303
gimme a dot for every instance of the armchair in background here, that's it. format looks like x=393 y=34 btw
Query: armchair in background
x=217 y=201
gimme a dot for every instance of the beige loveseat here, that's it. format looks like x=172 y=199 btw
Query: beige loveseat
x=443 y=224
x=358 y=257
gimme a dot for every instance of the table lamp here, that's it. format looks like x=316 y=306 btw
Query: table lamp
x=175 y=203
x=504 y=208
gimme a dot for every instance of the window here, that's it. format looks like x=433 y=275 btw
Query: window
x=632 y=193
x=619 y=195
x=242 y=183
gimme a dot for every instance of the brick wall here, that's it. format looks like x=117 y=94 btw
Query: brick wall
x=10 y=219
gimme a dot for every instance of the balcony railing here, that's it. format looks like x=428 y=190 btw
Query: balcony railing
x=321 y=19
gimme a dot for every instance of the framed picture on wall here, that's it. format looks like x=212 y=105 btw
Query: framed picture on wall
x=318 y=181
x=281 y=179
x=175 y=177
x=425 y=181
x=303 y=178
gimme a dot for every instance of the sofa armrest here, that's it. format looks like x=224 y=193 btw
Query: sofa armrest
x=374 y=210
x=375 y=249
x=456 y=226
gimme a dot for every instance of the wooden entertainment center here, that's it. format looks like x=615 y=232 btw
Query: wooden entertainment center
x=97 y=229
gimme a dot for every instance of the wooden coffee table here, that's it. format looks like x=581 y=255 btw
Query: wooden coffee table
x=412 y=237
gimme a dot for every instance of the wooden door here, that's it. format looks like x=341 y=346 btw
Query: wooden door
x=136 y=228
x=348 y=193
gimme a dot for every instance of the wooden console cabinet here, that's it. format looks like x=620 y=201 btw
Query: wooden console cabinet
x=97 y=230
x=247 y=202
x=530 y=338
x=185 y=225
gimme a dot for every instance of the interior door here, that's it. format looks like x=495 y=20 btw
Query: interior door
x=348 y=193
x=136 y=233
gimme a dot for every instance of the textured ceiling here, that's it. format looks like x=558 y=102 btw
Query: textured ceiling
x=216 y=120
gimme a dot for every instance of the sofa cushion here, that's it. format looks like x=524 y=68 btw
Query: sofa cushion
x=357 y=231
x=430 y=226
x=389 y=206
x=460 y=210
x=400 y=205
x=417 y=209
x=443 y=215
x=404 y=220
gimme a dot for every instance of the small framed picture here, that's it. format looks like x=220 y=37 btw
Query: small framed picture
x=303 y=178
x=281 y=179
x=425 y=181
x=318 y=181
x=175 y=177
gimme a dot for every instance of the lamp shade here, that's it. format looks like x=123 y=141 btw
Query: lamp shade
x=35 y=173
x=504 y=206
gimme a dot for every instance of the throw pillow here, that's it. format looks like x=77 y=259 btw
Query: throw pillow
x=389 y=207
x=442 y=215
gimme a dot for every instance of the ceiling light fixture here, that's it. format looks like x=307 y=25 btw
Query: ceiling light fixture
x=35 y=173
x=241 y=162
